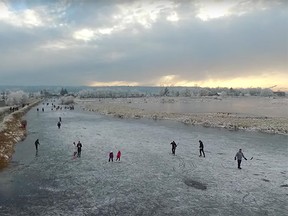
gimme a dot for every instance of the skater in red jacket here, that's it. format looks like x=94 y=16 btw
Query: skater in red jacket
x=118 y=156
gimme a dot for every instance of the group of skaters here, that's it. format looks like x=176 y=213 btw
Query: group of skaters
x=41 y=109
x=239 y=155
x=111 y=156
x=77 y=147
x=14 y=108
x=54 y=107
x=201 y=148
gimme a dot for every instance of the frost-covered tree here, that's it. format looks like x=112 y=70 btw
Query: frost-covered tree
x=3 y=95
x=174 y=93
x=17 y=98
x=266 y=92
x=109 y=93
x=223 y=93
x=36 y=95
x=204 y=92
x=63 y=91
x=164 y=92
x=254 y=91
x=66 y=100
x=185 y=93
x=84 y=93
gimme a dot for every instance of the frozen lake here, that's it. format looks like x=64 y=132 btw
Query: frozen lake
x=148 y=180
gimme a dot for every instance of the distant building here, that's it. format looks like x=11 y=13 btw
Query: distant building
x=280 y=94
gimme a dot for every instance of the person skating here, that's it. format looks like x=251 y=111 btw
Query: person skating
x=201 y=149
x=174 y=145
x=75 y=150
x=59 y=124
x=79 y=146
x=111 y=156
x=36 y=144
x=118 y=155
x=60 y=119
x=239 y=156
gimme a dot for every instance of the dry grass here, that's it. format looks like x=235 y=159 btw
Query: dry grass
x=119 y=109
x=11 y=132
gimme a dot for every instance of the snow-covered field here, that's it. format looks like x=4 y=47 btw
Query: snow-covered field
x=149 y=180
x=269 y=115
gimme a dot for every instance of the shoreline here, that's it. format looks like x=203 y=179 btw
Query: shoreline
x=12 y=132
x=226 y=120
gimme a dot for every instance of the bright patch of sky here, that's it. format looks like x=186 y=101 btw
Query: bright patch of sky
x=25 y=18
x=212 y=10
x=113 y=83
x=84 y=34
x=147 y=42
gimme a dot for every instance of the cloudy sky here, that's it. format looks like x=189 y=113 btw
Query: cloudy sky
x=237 y=43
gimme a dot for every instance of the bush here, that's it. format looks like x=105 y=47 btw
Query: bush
x=67 y=100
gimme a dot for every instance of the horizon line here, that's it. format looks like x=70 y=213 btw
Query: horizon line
x=139 y=86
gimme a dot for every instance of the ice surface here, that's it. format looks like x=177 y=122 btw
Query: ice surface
x=149 y=180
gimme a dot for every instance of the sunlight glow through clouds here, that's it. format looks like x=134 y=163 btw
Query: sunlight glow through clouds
x=89 y=34
x=168 y=80
x=173 y=17
x=114 y=39
x=105 y=30
x=137 y=13
x=26 y=18
x=84 y=34
x=208 y=10
x=144 y=13
x=212 y=10
x=31 y=18
x=265 y=81
x=113 y=83
x=4 y=11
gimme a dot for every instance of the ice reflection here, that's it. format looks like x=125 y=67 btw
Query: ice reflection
x=149 y=180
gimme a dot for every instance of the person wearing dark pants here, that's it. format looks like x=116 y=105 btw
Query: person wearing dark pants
x=36 y=144
x=79 y=149
x=174 y=145
x=201 y=148
x=111 y=156
x=239 y=155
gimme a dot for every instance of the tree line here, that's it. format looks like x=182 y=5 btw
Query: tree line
x=20 y=97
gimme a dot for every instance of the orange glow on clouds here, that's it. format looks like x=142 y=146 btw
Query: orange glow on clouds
x=113 y=83
x=265 y=81
x=280 y=81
